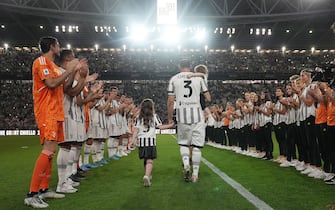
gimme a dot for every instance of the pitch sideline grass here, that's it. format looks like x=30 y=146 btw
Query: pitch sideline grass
x=118 y=185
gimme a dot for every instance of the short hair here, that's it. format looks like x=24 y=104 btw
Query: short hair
x=64 y=53
x=294 y=77
x=185 y=63
x=45 y=43
x=201 y=68
x=307 y=71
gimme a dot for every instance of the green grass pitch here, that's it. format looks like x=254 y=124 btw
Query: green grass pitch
x=119 y=185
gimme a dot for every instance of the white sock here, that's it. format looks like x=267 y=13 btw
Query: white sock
x=98 y=148
x=76 y=159
x=196 y=158
x=111 y=149
x=185 y=155
x=102 y=150
x=87 y=152
x=94 y=151
x=124 y=144
x=62 y=164
x=70 y=162
x=119 y=150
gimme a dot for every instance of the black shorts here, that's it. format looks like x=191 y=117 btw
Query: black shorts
x=147 y=152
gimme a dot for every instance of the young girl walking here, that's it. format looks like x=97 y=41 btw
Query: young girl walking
x=145 y=134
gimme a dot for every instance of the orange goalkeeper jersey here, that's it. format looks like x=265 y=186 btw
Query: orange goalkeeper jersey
x=48 y=103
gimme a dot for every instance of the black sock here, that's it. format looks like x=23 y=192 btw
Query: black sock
x=31 y=194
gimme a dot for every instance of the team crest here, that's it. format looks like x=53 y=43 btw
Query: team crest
x=46 y=72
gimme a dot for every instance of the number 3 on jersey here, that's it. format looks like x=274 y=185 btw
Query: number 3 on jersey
x=187 y=84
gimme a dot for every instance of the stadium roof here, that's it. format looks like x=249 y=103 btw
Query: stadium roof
x=243 y=23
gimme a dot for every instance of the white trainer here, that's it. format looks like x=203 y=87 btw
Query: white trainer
x=72 y=183
x=51 y=194
x=35 y=202
x=308 y=170
x=319 y=175
x=66 y=188
x=146 y=181
x=328 y=176
x=286 y=164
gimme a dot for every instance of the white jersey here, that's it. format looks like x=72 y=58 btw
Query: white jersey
x=263 y=118
x=306 y=111
x=187 y=94
x=99 y=118
x=147 y=135
x=292 y=112
x=279 y=118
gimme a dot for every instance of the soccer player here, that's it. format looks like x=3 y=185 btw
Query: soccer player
x=190 y=118
x=145 y=132
x=48 y=87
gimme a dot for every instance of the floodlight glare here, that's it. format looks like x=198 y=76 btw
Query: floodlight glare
x=200 y=35
x=171 y=35
x=232 y=48
x=283 y=49
x=139 y=33
x=68 y=46
x=6 y=46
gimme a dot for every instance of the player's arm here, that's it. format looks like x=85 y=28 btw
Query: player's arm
x=196 y=74
x=166 y=126
x=54 y=82
x=170 y=103
x=207 y=96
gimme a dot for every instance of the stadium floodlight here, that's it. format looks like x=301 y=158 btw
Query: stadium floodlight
x=3 y=26
x=96 y=28
x=313 y=50
x=68 y=46
x=201 y=35
x=41 y=27
x=139 y=33
x=6 y=46
x=283 y=49
x=124 y=47
x=310 y=31
x=251 y=31
x=63 y=28
x=287 y=31
x=263 y=31
x=171 y=35
x=232 y=48
x=257 y=31
x=57 y=29
x=258 y=48
x=206 y=48
x=96 y=46
x=269 y=31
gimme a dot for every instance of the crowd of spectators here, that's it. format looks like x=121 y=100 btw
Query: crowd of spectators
x=165 y=61
x=16 y=107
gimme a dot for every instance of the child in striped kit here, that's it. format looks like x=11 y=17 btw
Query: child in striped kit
x=145 y=132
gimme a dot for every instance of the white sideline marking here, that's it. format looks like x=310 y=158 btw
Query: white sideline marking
x=258 y=203
x=238 y=187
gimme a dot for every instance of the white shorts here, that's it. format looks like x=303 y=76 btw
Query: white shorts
x=81 y=130
x=70 y=130
x=96 y=132
x=114 y=130
x=191 y=134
